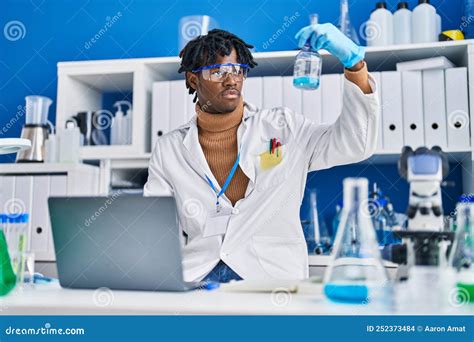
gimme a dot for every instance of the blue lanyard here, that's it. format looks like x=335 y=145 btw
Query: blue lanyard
x=226 y=183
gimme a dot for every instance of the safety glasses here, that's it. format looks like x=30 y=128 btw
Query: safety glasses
x=219 y=72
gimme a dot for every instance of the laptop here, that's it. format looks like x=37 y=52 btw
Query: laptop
x=120 y=242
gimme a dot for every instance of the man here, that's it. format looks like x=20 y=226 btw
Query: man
x=238 y=173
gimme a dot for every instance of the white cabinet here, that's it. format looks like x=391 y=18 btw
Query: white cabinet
x=27 y=187
x=82 y=84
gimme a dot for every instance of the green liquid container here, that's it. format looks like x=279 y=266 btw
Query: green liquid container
x=7 y=276
x=462 y=254
x=465 y=292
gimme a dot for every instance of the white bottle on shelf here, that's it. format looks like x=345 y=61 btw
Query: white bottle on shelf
x=402 y=30
x=69 y=143
x=425 y=23
x=116 y=130
x=128 y=126
x=379 y=28
x=50 y=145
x=438 y=26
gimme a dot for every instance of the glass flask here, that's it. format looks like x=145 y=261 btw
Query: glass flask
x=7 y=276
x=308 y=65
x=356 y=273
x=462 y=255
x=345 y=25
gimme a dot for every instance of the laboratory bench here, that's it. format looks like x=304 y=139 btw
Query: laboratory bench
x=317 y=266
x=51 y=299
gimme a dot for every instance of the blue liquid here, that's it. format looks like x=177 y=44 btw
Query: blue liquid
x=346 y=293
x=306 y=82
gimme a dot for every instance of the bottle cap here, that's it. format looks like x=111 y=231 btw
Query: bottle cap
x=381 y=4
x=402 y=4
x=423 y=2
x=70 y=124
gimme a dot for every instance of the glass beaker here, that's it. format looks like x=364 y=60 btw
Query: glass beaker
x=462 y=254
x=37 y=108
x=308 y=65
x=356 y=273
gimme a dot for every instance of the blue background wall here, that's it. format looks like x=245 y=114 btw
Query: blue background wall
x=57 y=30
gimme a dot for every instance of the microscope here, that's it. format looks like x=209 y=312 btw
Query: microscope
x=425 y=241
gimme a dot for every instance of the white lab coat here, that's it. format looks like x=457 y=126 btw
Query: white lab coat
x=264 y=237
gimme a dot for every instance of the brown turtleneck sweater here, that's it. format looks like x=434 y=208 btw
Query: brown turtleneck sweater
x=218 y=139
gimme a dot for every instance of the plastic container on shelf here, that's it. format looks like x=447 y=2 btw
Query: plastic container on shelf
x=379 y=28
x=402 y=21
x=425 y=23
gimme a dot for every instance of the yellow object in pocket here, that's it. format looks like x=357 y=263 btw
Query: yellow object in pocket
x=269 y=160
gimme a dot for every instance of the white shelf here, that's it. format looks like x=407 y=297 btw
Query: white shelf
x=49 y=168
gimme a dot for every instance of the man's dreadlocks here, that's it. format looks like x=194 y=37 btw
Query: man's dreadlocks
x=203 y=50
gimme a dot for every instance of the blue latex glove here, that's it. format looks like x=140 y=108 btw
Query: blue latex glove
x=328 y=37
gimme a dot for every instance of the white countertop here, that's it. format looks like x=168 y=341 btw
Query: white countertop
x=51 y=299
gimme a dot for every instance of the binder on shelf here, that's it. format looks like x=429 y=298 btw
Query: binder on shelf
x=22 y=202
x=425 y=64
x=434 y=108
x=190 y=106
x=312 y=105
x=160 y=110
x=292 y=96
x=40 y=216
x=272 y=92
x=413 y=123
x=457 y=108
x=392 y=117
x=253 y=91
x=331 y=95
x=378 y=81
x=178 y=103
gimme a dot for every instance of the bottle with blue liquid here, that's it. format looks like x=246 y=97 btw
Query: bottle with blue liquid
x=356 y=273
x=308 y=65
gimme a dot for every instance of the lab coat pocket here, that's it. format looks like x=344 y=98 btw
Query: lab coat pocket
x=270 y=159
x=272 y=169
x=281 y=258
